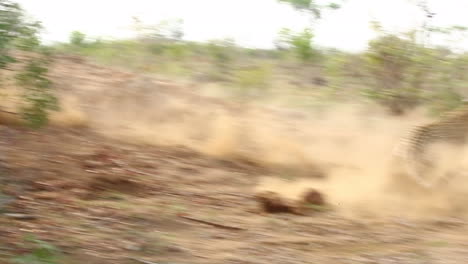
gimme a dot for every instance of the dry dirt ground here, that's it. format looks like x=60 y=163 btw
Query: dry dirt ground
x=100 y=200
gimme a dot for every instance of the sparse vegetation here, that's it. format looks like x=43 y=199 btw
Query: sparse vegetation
x=398 y=71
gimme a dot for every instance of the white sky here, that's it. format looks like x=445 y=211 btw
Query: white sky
x=253 y=23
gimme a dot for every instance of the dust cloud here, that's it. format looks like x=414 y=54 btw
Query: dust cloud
x=366 y=179
x=351 y=144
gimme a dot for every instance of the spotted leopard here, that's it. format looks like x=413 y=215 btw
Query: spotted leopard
x=451 y=128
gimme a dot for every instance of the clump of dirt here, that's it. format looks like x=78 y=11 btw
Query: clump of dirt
x=272 y=202
x=313 y=197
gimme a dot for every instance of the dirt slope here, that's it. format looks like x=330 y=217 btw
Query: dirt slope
x=104 y=200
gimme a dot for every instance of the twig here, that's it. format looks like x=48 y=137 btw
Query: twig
x=241 y=195
x=207 y=194
x=143 y=261
x=212 y=224
x=8 y=112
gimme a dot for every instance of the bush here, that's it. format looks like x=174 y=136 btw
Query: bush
x=38 y=95
x=397 y=66
x=18 y=33
x=77 y=38
x=300 y=43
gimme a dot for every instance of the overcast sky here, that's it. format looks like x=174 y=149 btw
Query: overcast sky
x=253 y=23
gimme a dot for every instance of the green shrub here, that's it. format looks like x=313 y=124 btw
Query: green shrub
x=16 y=32
x=77 y=38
